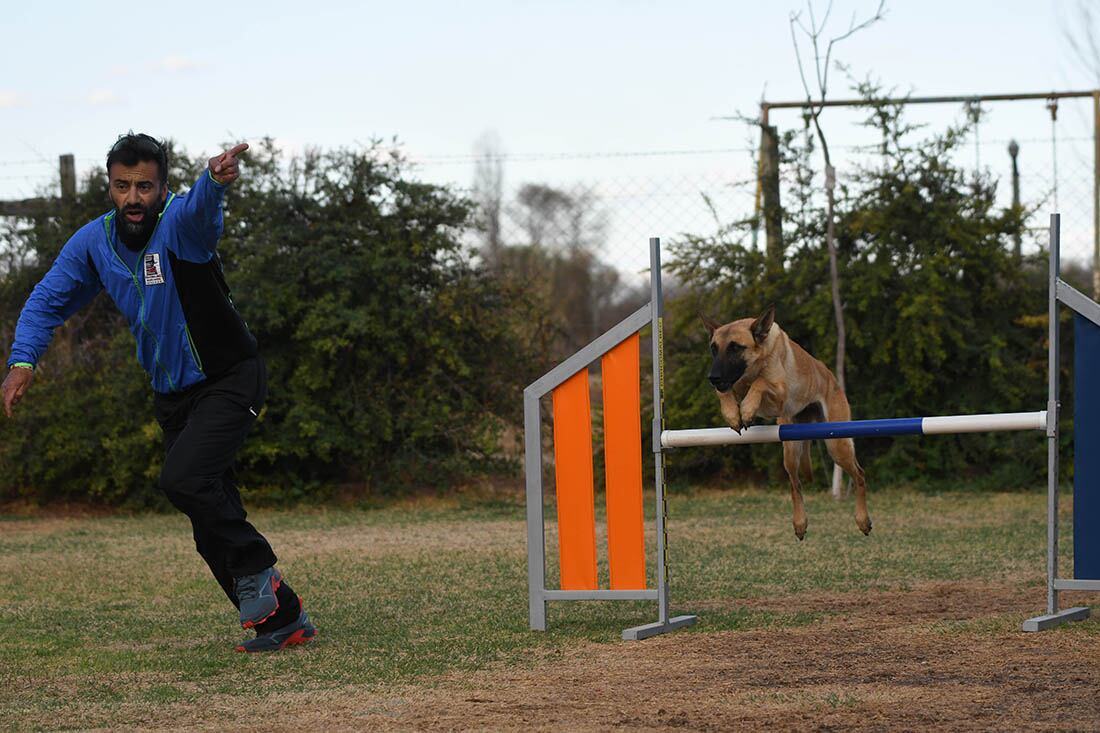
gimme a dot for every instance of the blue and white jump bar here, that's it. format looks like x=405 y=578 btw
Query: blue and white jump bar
x=949 y=424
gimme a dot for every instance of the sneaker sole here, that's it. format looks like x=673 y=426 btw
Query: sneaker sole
x=295 y=639
x=278 y=581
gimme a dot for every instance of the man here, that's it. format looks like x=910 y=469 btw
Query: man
x=155 y=255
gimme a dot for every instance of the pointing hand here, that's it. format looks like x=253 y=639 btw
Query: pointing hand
x=225 y=168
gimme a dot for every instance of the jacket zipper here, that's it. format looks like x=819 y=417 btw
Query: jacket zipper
x=137 y=286
x=194 y=351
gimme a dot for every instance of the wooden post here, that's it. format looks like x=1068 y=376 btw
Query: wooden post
x=769 y=184
x=68 y=178
x=27 y=208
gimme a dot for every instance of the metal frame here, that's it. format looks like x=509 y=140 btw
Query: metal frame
x=1050 y=97
x=538 y=594
x=653 y=313
x=1058 y=291
x=664 y=623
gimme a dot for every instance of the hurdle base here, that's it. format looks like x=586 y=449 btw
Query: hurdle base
x=636 y=633
x=1042 y=623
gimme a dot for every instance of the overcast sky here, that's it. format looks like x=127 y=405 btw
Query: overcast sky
x=561 y=77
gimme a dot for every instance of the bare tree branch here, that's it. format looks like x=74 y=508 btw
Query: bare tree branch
x=821 y=68
x=879 y=15
x=1079 y=36
x=828 y=12
x=798 y=54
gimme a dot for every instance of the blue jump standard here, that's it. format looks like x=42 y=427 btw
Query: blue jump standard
x=853 y=429
x=1086 y=448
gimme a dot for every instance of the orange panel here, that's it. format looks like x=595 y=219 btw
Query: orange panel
x=574 y=483
x=622 y=419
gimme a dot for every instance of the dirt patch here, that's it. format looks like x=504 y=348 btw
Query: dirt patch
x=882 y=661
x=924 y=602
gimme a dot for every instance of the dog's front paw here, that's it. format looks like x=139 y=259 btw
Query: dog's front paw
x=747 y=416
x=731 y=413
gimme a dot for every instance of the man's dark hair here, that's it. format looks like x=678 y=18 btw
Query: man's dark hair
x=133 y=148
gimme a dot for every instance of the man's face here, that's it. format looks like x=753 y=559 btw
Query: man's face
x=138 y=195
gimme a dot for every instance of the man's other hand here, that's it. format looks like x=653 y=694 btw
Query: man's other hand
x=225 y=168
x=15 y=386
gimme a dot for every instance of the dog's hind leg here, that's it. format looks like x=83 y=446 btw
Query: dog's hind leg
x=805 y=464
x=792 y=458
x=843 y=452
x=811 y=413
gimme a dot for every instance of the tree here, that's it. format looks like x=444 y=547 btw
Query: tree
x=557 y=261
x=382 y=341
x=488 y=194
x=943 y=318
x=814 y=34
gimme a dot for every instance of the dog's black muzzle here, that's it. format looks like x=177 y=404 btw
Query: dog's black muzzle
x=725 y=371
x=720 y=384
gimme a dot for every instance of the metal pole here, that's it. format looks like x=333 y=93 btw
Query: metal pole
x=658 y=306
x=536 y=532
x=1096 y=195
x=1014 y=150
x=802 y=103
x=939 y=425
x=1052 y=414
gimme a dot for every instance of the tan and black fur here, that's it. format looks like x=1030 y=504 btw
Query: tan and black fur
x=759 y=371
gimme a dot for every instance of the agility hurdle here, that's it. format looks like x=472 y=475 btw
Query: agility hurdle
x=617 y=350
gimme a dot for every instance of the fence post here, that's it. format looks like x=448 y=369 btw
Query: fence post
x=769 y=172
x=68 y=178
x=1014 y=150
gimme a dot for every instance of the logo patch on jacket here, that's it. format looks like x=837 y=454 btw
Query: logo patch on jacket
x=153 y=274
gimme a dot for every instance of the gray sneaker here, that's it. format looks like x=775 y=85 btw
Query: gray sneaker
x=298 y=632
x=256 y=594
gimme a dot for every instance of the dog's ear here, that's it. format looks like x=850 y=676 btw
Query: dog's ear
x=762 y=326
x=711 y=324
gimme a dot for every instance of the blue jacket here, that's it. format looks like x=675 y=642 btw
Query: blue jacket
x=178 y=304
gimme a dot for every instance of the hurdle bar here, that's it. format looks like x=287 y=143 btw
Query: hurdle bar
x=944 y=425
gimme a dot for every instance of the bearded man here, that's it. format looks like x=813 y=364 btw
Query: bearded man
x=156 y=256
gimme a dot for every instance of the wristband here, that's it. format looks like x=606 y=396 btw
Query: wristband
x=23 y=365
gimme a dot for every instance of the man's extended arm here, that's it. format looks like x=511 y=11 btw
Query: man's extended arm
x=200 y=212
x=70 y=284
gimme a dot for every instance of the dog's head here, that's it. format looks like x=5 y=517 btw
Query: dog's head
x=736 y=347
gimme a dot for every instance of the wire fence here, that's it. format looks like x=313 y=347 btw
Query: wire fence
x=613 y=202
x=615 y=215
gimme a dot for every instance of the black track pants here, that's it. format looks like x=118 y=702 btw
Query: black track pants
x=204 y=427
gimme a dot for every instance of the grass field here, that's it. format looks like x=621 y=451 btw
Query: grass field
x=114 y=622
